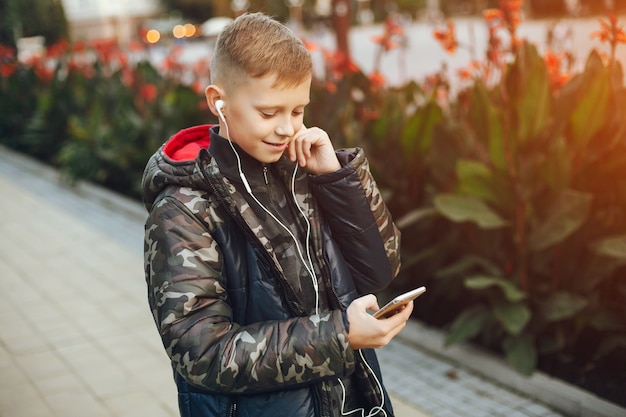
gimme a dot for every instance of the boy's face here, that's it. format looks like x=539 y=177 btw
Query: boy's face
x=262 y=118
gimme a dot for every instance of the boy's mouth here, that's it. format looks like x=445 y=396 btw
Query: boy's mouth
x=277 y=146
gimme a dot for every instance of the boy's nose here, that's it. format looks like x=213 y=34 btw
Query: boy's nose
x=285 y=128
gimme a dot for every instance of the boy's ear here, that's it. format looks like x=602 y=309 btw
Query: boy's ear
x=212 y=94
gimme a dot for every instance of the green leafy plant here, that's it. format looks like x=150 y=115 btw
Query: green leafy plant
x=530 y=194
x=87 y=110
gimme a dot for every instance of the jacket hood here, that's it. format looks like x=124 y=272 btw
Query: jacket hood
x=177 y=163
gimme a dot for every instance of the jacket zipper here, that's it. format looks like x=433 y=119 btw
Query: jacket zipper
x=317 y=400
x=233 y=410
x=295 y=309
x=265 y=174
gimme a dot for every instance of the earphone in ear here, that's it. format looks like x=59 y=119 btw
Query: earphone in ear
x=219 y=105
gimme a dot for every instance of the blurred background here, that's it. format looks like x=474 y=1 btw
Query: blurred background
x=155 y=21
x=496 y=130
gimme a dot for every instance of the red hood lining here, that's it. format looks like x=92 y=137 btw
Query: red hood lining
x=186 y=144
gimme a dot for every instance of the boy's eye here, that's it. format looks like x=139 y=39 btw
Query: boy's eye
x=267 y=115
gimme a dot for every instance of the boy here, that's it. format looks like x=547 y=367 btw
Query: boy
x=263 y=246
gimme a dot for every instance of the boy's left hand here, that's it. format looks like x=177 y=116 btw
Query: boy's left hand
x=314 y=151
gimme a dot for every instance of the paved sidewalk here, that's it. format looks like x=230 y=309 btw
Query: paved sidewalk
x=77 y=338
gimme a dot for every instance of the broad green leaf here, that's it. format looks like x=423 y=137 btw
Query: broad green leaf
x=567 y=213
x=415 y=216
x=418 y=131
x=607 y=322
x=476 y=179
x=550 y=343
x=561 y=306
x=557 y=170
x=458 y=208
x=467 y=325
x=511 y=292
x=612 y=247
x=609 y=344
x=468 y=263
x=529 y=89
x=589 y=116
x=595 y=271
x=416 y=257
x=486 y=120
x=513 y=316
x=520 y=352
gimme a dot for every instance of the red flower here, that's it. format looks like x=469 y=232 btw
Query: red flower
x=377 y=79
x=198 y=86
x=493 y=16
x=465 y=74
x=512 y=12
x=611 y=32
x=106 y=49
x=508 y=16
x=128 y=76
x=554 y=63
x=447 y=37
x=331 y=87
x=387 y=43
x=135 y=46
x=171 y=61
x=80 y=46
x=148 y=92
x=6 y=53
x=340 y=64
x=58 y=49
x=6 y=70
x=311 y=46
x=44 y=73
x=392 y=30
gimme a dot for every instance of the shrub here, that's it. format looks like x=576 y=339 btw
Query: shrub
x=95 y=115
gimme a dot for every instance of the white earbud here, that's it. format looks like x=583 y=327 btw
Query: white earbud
x=219 y=105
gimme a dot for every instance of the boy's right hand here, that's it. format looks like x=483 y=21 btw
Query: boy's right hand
x=312 y=149
x=368 y=332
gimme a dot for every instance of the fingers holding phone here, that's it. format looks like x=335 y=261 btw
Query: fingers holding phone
x=368 y=332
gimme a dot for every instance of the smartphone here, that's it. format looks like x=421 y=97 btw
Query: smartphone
x=393 y=306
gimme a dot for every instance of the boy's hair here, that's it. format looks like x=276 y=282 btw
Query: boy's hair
x=255 y=45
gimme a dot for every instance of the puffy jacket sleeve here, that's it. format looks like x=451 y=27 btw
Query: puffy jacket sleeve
x=190 y=305
x=360 y=221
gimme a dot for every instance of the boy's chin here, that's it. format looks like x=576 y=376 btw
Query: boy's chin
x=268 y=157
x=271 y=160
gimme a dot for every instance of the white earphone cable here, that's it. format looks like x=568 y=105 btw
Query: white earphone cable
x=375 y=410
x=308 y=266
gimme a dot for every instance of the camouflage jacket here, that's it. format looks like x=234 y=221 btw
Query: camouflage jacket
x=230 y=321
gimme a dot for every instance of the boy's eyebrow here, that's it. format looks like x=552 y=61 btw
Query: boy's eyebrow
x=280 y=106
